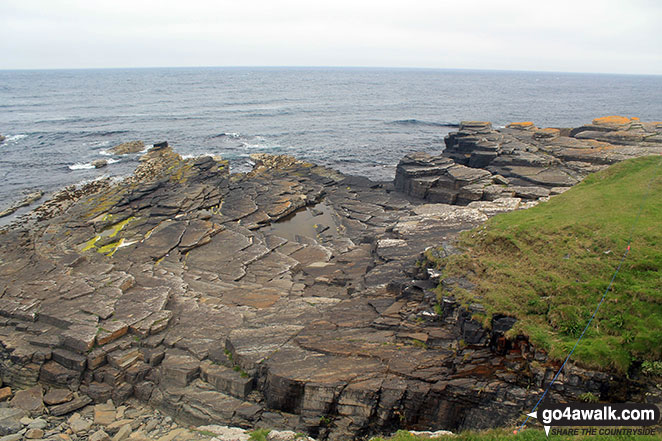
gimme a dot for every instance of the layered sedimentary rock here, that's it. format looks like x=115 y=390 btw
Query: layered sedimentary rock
x=287 y=297
x=522 y=160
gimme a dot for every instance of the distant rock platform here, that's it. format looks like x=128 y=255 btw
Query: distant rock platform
x=522 y=160
x=288 y=297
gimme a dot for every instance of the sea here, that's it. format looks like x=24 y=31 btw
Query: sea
x=357 y=120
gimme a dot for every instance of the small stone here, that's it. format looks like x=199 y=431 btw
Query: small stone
x=104 y=414
x=79 y=424
x=123 y=433
x=5 y=393
x=120 y=412
x=116 y=425
x=34 y=434
x=26 y=420
x=38 y=424
x=151 y=425
x=99 y=435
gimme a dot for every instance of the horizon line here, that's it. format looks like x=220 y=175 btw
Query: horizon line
x=328 y=67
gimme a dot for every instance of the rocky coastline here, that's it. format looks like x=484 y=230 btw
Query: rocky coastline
x=292 y=297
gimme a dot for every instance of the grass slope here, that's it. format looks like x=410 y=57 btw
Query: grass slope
x=549 y=266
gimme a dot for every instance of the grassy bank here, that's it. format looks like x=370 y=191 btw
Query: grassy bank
x=549 y=266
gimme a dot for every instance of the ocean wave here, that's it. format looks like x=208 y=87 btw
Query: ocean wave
x=232 y=135
x=81 y=166
x=89 y=166
x=418 y=122
x=199 y=155
x=254 y=146
x=103 y=133
x=14 y=138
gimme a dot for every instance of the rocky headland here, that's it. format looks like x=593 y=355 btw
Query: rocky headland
x=291 y=297
x=521 y=160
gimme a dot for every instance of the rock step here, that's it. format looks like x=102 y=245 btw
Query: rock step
x=232 y=381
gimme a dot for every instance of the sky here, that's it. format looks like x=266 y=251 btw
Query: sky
x=605 y=36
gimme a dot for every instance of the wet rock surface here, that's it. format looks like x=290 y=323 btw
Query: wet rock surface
x=522 y=160
x=286 y=298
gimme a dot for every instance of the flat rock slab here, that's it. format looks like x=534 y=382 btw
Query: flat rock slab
x=30 y=400
x=71 y=406
x=10 y=420
x=58 y=396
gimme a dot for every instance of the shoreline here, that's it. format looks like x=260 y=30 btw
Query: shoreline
x=174 y=286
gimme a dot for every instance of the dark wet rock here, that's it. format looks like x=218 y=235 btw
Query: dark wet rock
x=27 y=200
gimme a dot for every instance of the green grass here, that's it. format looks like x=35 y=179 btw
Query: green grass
x=548 y=266
x=259 y=435
x=503 y=434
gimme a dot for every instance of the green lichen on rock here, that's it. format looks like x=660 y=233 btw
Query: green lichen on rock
x=110 y=248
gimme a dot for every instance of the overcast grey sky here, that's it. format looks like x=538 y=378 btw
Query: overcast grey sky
x=553 y=35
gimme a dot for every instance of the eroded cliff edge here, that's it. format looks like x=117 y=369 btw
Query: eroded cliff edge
x=286 y=297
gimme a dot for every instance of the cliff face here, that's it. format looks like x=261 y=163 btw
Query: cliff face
x=521 y=160
x=287 y=297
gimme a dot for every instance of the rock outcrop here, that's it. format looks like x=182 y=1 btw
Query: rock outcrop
x=522 y=160
x=100 y=163
x=289 y=297
x=128 y=148
x=27 y=200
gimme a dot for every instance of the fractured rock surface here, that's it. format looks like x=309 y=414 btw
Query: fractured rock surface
x=281 y=298
x=522 y=160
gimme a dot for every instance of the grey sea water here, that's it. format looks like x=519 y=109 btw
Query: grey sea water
x=360 y=121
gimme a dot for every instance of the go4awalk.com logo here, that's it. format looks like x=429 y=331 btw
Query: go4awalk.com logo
x=598 y=419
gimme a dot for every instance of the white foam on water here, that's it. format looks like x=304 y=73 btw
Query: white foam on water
x=191 y=156
x=81 y=166
x=14 y=138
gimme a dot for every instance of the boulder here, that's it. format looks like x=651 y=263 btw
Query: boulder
x=100 y=163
